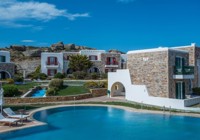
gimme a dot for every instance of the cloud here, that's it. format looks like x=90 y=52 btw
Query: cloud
x=27 y=41
x=125 y=1
x=12 y=11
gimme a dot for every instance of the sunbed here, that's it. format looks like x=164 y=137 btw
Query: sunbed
x=8 y=120
x=12 y=114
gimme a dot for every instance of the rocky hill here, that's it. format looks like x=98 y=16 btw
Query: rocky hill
x=28 y=57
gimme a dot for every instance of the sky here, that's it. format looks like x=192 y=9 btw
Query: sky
x=102 y=24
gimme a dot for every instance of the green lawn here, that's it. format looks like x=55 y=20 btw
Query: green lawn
x=26 y=87
x=72 y=90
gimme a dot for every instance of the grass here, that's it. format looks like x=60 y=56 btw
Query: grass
x=26 y=87
x=72 y=90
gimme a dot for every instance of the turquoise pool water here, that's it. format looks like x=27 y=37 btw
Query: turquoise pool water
x=39 y=93
x=107 y=123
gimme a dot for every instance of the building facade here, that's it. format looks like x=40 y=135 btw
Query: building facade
x=161 y=76
x=165 y=72
x=7 y=69
x=103 y=62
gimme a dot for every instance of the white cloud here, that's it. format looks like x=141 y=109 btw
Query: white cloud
x=12 y=11
x=27 y=41
x=125 y=1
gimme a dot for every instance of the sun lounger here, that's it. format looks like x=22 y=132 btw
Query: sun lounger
x=12 y=114
x=8 y=120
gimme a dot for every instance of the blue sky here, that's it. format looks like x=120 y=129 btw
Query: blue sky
x=103 y=24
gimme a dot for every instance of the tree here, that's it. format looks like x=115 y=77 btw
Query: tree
x=80 y=63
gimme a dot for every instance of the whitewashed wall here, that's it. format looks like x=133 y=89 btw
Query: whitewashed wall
x=44 y=57
x=139 y=93
x=93 y=52
x=6 y=54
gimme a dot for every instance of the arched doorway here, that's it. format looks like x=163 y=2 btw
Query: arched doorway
x=118 y=89
x=94 y=70
x=4 y=75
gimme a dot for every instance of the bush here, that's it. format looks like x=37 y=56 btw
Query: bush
x=18 y=79
x=104 y=75
x=101 y=84
x=90 y=84
x=56 y=83
x=34 y=75
x=10 y=91
x=42 y=76
x=10 y=81
x=59 y=75
x=196 y=90
x=94 y=75
x=51 y=92
x=79 y=74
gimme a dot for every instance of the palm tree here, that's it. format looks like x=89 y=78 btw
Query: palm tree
x=80 y=63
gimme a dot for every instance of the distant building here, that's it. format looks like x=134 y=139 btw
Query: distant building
x=103 y=62
x=7 y=69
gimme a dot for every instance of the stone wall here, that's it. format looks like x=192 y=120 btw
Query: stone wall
x=150 y=69
x=104 y=59
x=51 y=99
x=28 y=65
x=8 y=67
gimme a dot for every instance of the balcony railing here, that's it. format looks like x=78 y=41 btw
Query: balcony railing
x=185 y=70
x=52 y=63
x=111 y=63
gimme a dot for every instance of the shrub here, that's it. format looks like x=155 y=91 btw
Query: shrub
x=18 y=79
x=104 y=75
x=59 y=75
x=10 y=81
x=92 y=84
x=42 y=76
x=103 y=84
x=51 y=92
x=196 y=90
x=56 y=83
x=10 y=91
x=79 y=74
x=94 y=75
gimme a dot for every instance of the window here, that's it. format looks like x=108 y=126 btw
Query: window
x=2 y=58
x=179 y=61
x=52 y=72
x=111 y=61
x=93 y=57
x=52 y=61
x=116 y=87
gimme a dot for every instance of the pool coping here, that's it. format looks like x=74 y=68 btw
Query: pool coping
x=38 y=123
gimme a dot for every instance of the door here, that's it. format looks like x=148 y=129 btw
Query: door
x=180 y=90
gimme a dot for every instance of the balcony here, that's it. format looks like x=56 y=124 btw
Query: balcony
x=52 y=64
x=185 y=72
x=111 y=64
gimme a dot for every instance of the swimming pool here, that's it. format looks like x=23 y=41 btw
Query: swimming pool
x=106 y=123
x=39 y=93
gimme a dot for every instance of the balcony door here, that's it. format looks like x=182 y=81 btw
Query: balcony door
x=180 y=90
x=179 y=62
